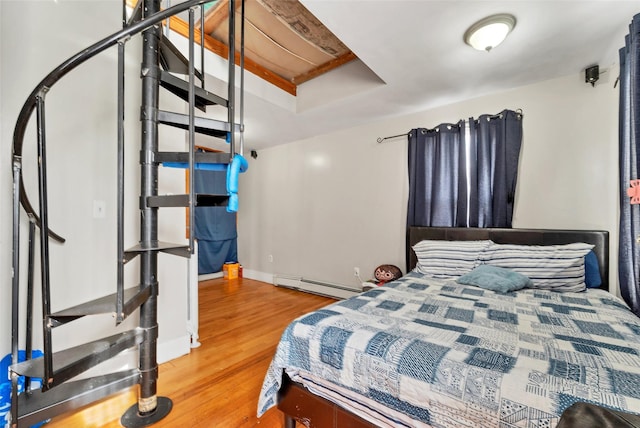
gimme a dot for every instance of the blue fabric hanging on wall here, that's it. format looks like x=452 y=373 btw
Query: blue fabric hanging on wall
x=629 y=134
x=215 y=228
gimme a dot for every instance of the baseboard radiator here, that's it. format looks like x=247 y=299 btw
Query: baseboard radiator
x=322 y=288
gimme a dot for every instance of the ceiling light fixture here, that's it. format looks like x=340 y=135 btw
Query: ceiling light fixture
x=489 y=32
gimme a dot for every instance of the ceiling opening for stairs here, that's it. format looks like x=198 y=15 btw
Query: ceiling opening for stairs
x=284 y=43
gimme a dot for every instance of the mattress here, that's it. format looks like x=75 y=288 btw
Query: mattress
x=429 y=352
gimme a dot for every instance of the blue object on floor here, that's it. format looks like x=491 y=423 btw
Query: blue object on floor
x=5 y=386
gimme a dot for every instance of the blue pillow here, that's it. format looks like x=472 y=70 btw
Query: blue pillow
x=592 y=277
x=495 y=278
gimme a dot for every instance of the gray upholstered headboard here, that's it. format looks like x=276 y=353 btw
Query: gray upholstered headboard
x=599 y=238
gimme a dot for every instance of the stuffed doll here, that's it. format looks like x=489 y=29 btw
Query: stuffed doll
x=382 y=275
x=386 y=273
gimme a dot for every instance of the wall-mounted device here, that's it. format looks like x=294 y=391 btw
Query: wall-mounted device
x=592 y=74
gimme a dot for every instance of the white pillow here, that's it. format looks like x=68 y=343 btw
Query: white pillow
x=550 y=267
x=449 y=259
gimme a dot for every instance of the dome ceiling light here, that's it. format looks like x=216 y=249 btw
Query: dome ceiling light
x=489 y=32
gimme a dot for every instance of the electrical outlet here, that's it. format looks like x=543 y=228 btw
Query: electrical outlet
x=356 y=271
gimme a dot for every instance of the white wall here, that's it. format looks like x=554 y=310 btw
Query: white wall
x=322 y=206
x=35 y=37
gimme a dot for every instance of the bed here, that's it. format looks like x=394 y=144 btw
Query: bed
x=426 y=350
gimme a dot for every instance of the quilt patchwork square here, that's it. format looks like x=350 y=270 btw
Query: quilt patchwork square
x=332 y=346
x=420 y=359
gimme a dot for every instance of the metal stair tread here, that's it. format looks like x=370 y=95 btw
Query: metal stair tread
x=102 y=305
x=73 y=361
x=166 y=247
x=200 y=200
x=37 y=406
x=180 y=88
x=143 y=247
x=203 y=125
x=171 y=59
x=199 y=157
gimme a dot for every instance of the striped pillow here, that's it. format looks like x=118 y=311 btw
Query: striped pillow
x=449 y=259
x=550 y=267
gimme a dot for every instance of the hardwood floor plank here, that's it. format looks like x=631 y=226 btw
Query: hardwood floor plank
x=217 y=384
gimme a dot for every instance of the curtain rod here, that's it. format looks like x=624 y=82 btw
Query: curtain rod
x=493 y=116
x=380 y=140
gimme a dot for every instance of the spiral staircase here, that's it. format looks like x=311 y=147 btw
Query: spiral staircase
x=163 y=67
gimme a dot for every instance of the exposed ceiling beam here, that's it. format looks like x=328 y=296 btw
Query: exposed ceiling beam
x=327 y=66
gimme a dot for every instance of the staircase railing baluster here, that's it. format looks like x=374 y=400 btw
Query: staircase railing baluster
x=192 y=113
x=15 y=284
x=44 y=239
x=29 y=320
x=241 y=151
x=120 y=185
x=167 y=26
x=232 y=78
x=202 y=45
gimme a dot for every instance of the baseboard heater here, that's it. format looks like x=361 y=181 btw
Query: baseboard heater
x=313 y=286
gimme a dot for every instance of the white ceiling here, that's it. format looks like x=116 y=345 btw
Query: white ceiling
x=417 y=60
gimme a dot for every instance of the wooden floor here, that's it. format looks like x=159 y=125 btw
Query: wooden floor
x=217 y=384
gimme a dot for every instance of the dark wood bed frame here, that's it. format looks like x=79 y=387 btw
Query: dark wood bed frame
x=300 y=405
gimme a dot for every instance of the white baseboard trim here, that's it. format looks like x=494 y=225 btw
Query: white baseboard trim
x=258 y=276
x=246 y=273
x=207 y=276
x=174 y=348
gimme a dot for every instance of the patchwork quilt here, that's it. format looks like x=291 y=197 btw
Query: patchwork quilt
x=427 y=352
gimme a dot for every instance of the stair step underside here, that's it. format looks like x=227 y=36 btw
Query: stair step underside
x=199 y=157
x=172 y=60
x=71 y=362
x=180 y=88
x=205 y=126
x=133 y=298
x=201 y=200
x=136 y=14
x=165 y=247
x=38 y=406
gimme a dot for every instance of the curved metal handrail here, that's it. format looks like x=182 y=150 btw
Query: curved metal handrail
x=64 y=68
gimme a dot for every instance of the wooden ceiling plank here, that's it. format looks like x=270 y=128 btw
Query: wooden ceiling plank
x=219 y=48
x=271 y=55
x=324 y=68
x=216 y=15
x=279 y=31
